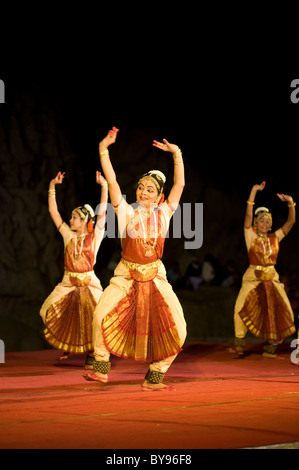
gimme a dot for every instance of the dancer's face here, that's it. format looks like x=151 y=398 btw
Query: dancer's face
x=264 y=225
x=146 y=193
x=76 y=223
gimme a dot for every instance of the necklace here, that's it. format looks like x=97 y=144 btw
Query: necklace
x=149 y=246
x=78 y=256
x=269 y=253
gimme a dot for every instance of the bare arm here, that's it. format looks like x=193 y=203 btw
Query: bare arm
x=52 y=204
x=113 y=186
x=101 y=218
x=250 y=204
x=292 y=213
x=178 y=174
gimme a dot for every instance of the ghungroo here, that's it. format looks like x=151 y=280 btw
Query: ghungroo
x=154 y=377
x=240 y=343
x=89 y=360
x=101 y=366
x=270 y=348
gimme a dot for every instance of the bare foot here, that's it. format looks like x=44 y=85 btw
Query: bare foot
x=64 y=356
x=97 y=377
x=272 y=356
x=149 y=387
x=238 y=351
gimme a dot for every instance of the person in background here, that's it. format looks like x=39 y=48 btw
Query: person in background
x=68 y=311
x=262 y=305
x=174 y=275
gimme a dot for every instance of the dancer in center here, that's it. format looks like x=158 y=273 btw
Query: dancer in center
x=139 y=316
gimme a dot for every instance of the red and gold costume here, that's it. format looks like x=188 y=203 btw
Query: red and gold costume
x=68 y=311
x=139 y=316
x=262 y=305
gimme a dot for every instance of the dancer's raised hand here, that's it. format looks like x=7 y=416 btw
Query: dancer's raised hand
x=109 y=139
x=285 y=198
x=166 y=146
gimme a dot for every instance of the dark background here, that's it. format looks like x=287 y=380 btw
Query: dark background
x=225 y=102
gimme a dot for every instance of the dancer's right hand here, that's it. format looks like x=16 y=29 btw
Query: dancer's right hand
x=259 y=187
x=58 y=178
x=109 y=139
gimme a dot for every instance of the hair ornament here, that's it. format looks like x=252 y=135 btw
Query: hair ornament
x=159 y=174
x=261 y=209
x=90 y=209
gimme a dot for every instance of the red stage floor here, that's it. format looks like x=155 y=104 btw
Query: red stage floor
x=221 y=402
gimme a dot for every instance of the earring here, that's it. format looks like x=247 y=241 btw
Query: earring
x=90 y=226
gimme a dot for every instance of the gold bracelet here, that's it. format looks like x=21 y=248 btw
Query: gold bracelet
x=179 y=163
x=104 y=154
x=292 y=205
x=251 y=203
x=52 y=192
x=178 y=154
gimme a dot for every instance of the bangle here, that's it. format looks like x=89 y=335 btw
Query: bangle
x=179 y=163
x=178 y=153
x=292 y=205
x=251 y=203
x=105 y=153
x=52 y=192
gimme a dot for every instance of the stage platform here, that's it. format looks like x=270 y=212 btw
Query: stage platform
x=221 y=401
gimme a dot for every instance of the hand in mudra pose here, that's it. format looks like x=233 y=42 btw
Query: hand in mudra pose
x=166 y=146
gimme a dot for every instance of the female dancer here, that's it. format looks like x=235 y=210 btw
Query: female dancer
x=139 y=316
x=262 y=305
x=67 y=312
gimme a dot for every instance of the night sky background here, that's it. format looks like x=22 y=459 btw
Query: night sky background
x=236 y=124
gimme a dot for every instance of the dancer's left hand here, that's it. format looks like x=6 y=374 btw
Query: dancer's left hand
x=285 y=198
x=166 y=146
x=100 y=178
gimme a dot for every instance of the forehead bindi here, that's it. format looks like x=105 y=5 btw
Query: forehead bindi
x=265 y=219
x=147 y=184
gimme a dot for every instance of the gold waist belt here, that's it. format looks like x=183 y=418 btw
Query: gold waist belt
x=258 y=267
x=80 y=276
x=142 y=268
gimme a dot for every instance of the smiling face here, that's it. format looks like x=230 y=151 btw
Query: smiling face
x=146 y=192
x=76 y=223
x=264 y=224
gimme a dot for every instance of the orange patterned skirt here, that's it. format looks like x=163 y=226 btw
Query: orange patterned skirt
x=147 y=323
x=263 y=305
x=68 y=313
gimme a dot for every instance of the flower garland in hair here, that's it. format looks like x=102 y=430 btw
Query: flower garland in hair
x=159 y=174
x=90 y=224
x=161 y=199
